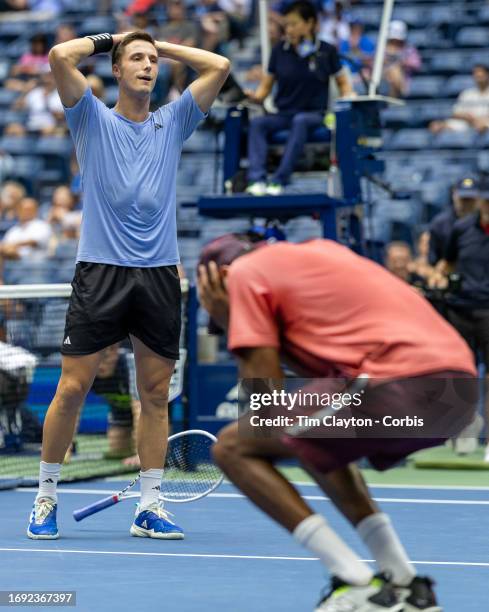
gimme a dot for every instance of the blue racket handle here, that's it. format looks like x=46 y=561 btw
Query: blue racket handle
x=82 y=513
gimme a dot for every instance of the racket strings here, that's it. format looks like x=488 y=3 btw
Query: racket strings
x=189 y=472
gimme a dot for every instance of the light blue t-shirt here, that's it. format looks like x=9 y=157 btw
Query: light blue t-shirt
x=128 y=172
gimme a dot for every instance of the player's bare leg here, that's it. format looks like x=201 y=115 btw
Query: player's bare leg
x=153 y=374
x=248 y=462
x=77 y=374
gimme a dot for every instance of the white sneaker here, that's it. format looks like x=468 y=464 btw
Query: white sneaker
x=274 y=189
x=467 y=440
x=257 y=189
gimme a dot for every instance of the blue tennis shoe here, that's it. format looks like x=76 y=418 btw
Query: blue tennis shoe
x=154 y=522
x=42 y=524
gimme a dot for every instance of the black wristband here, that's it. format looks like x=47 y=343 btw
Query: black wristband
x=102 y=43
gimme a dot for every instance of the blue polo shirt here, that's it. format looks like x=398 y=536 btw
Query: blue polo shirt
x=303 y=82
x=468 y=249
x=128 y=172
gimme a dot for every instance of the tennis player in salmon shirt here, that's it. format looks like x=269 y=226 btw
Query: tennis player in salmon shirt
x=327 y=312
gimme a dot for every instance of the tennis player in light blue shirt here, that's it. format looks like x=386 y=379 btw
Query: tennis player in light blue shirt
x=126 y=281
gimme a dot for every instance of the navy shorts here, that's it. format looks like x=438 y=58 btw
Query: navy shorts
x=110 y=302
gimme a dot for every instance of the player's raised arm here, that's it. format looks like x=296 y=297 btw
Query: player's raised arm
x=64 y=59
x=212 y=70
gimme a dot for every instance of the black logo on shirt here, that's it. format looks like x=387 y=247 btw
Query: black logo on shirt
x=158 y=126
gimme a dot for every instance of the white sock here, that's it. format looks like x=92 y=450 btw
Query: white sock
x=383 y=542
x=48 y=480
x=316 y=535
x=150 y=486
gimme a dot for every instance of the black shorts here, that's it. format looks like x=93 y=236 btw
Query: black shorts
x=473 y=326
x=109 y=302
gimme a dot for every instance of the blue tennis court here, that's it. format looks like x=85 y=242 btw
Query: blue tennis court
x=233 y=557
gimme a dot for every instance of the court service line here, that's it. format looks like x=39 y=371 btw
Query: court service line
x=217 y=556
x=384 y=500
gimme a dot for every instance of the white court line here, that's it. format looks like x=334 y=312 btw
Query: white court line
x=212 y=556
x=385 y=500
x=405 y=486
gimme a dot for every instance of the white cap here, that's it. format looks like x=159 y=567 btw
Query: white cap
x=397 y=30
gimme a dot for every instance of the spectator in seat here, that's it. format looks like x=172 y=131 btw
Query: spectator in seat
x=402 y=60
x=464 y=202
x=25 y=74
x=62 y=203
x=64 y=244
x=97 y=86
x=11 y=193
x=44 y=108
x=64 y=33
x=179 y=30
x=275 y=34
x=399 y=261
x=301 y=67
x=360 y=51
x=214 y=24
x=6 y=164
x=333 y=24
x=471 y=110
x=29 y=237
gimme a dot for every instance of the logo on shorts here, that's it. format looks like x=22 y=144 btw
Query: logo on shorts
x=158 y=126
x=67 y=340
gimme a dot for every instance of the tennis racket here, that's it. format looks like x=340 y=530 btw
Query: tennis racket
x=189 y=475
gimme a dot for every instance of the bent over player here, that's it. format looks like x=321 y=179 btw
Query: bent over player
x=321 y=308
x=126 y=279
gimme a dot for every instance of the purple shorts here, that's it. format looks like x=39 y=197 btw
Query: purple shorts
x=445 y=400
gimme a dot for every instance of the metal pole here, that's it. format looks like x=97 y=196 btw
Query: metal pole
x=264 y=38
x=381 y=42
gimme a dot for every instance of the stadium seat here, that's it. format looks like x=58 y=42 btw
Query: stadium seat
x=111 y=95
x=8 y=97
x=414 y=16
x=433 y=111
x=445 y=14
x=369 y=15
x=423 y=38
x=455 y=140
x=483 y=140
x=97 y=24
x=28 y=272
x=472 y=37
x=435 y=194
x=483 y=161
x=9 y=116
x=400 y=116
x=416 y=139
x=425 y=87
x=47 y=145
x=456 y=84
x=483 y=15
x=4 y=66
x=17 y=146
x=448 y=63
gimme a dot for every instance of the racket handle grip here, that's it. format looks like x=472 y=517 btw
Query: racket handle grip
x=82 y=513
